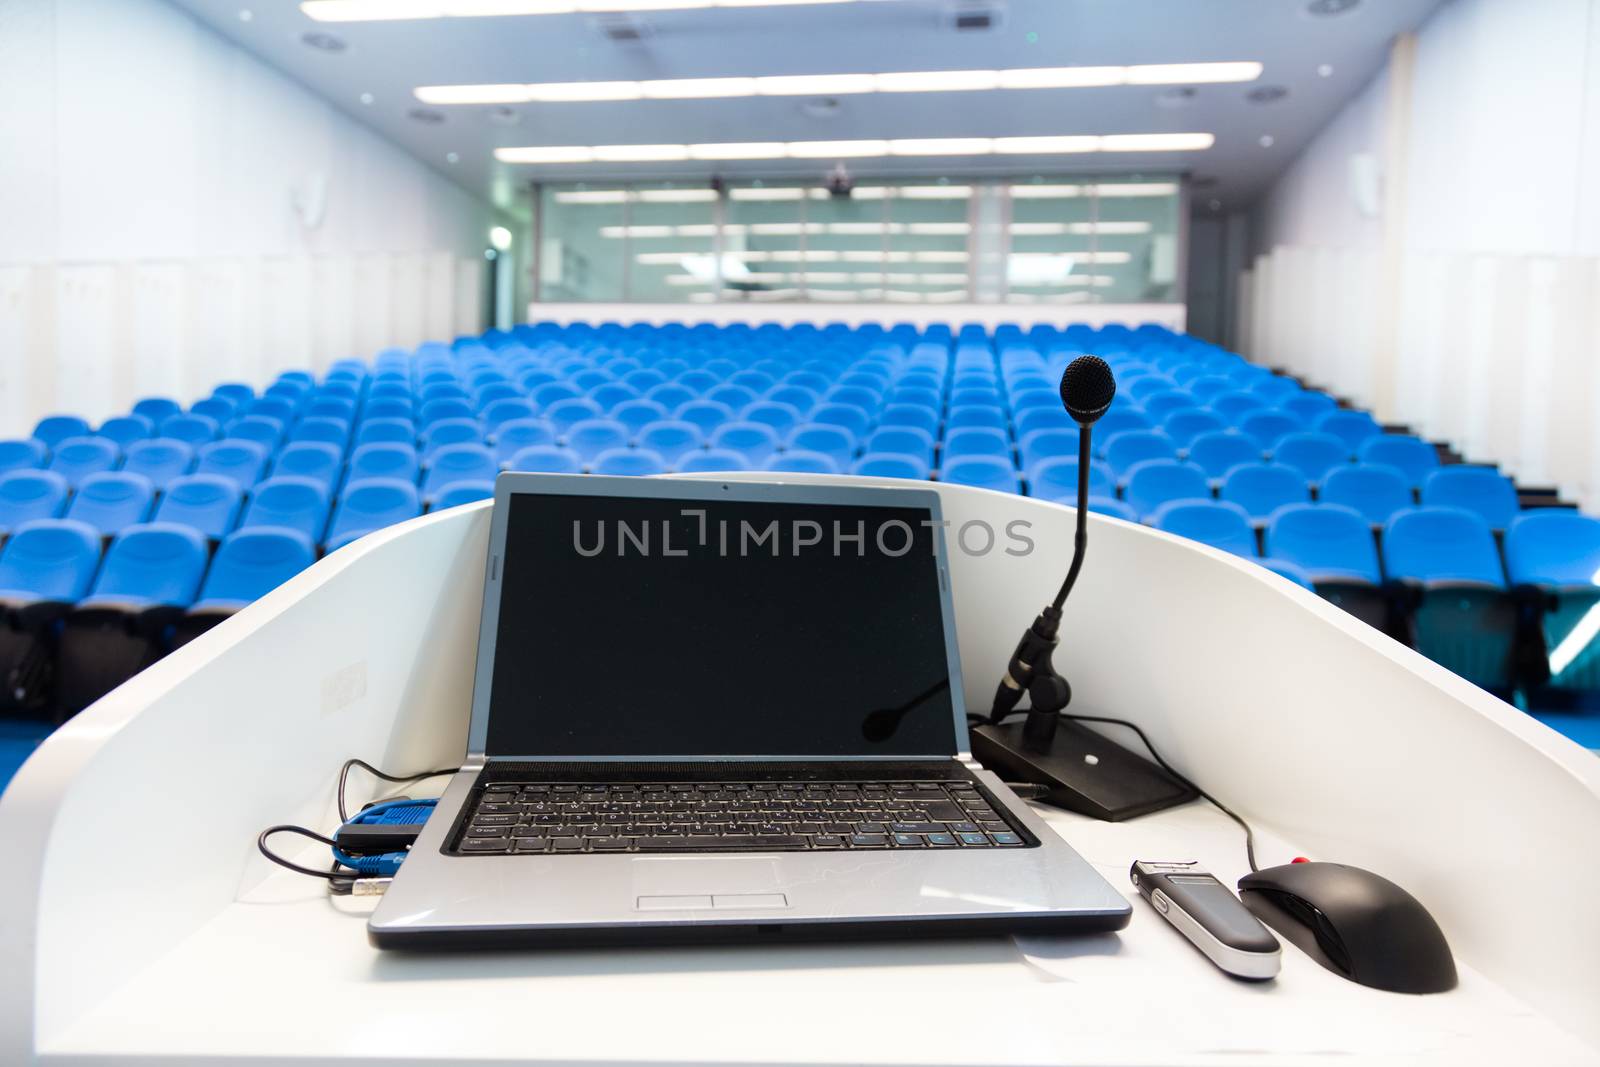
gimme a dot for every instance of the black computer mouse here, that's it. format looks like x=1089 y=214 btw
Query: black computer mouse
x=1354 y=923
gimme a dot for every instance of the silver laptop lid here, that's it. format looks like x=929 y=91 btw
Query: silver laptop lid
x=678 y=620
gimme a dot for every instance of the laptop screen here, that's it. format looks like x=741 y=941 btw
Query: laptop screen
x=642 y=627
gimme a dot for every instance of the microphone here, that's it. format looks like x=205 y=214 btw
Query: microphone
x=1081 y=770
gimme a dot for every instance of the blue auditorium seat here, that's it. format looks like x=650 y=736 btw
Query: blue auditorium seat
x=1376 y=490
x=499 y=412
x=1158 y=406
x=713 y=461
x=1267 y=428
x=208 y=503
x=635 y=414
x=275 y=406
x=75 y=458
x=1217 y=453
x=916 y=415
x=1354 y=428
x=111 y=500
x=1213 y=522
x=796 y=396
x=1313 y=454
x=979 y=417
x=384 y=460
x=243 y=462
x=985 y=472
x=564 y=414
x=735 y=397
x=1207 y=386
x=389 y=407
x=150 y=565
x=516 y=434
x=1053 y=418
x=1125 y=449
x=491 y=393
x=1185 y=425
x=780 y=416
x=848 y=416
x=1139 y=386
x=1276 y=388
x=707 y=415
x=26 y=495
x=902 y=440
x=157 y=409
x=891 y=465
x=1483 y=490
x=193 y=430
x=215 y=407
x=836 y=442
x=701 y=381
x=54 y=429
x=1464 y=619
x=671 y=395
x=1558 y=552
x=753 y=440
x=545 y=459
x=590 y=437
x=23 y=454
x=453 y=463
x=328 y=430
x=1262 y=488
x=262 y=429
x=48 y=561
x=126 y=429
x=1155 y=482
x=1234 y=406
x=448 y=432
x=629 y=462
x=250 y=563
x=1308 y=406
x=371 y=505
x=984 y=396
x=1057 y=479
x=609 y=394
x=316 y=460
x=976 y=442
x=373 y=431
x=1331 y=543
x=671 y=439
x=1413 y=457
x=1293 y=573
x=449 y=393
x=802 y=461
x=447 y=407
x=644 y=379
x=458 y=493
x=299 y=504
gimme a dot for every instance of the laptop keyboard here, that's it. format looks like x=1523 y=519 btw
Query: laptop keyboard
x=511 y=817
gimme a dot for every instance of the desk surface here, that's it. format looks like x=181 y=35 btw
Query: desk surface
x=286 y=975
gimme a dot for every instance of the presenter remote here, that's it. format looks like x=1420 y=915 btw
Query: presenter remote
x=1208 y=914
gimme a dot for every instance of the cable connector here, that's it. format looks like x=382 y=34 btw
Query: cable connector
x=370 y=887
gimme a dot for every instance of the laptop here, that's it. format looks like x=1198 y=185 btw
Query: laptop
x=721 y=710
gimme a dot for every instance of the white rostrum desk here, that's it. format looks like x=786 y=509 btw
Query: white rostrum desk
x=138 y=924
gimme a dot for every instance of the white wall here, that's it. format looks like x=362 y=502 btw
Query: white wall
x=149 y=241
x=1466 y=307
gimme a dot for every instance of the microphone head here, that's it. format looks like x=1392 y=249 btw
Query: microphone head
x=1087 y=389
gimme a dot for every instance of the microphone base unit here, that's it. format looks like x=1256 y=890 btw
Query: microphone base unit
x=1081 y=771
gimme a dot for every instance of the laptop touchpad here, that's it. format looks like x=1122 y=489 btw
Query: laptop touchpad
x=673 y=882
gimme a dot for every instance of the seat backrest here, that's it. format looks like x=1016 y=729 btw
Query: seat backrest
x=1267 y=428
x=445 y=407
x=1351 y=427
x=457 y=493
x=75 y=458
x=126 y=429
x=905 y=440
x=384 y=460
x=563 y=414
x=299 y=504
x=713 y=460
x=448 y=432
x=456 y=463
x=756 y=441
x=834 y=441
x=1125 y=449
x=1159 y=481
x=1442 y=544
x=1481 y=489
x=191 y=429
x=985 y=472
x=373 y=431
x=671 y=395
x=977 y=441
x=235 y=458
x=333 y=431
x=160 y=459
x=848 y=416
x=205 y=502
x=629 y=462
x=1056 y=478
x=1331 y=542
x=1262 y=488
x=370 y=505
x=1308 y=406
x=1413 y=457
x=276 y=406
x=26 y=495
x=1554 y=547
x=253 y=562
x=796 y=396
x=1159 y=406
x=891 y=465
x=53 y=429
x=634 y=414
x=590 y=437
x=707 y=415
x=51 y=559
x=803 y=461
x=1217 y=453
x=780 y=416
x=156 y=563
x=1236 y=404
x=1185 y=425
x=157 y=408
x=389 y=407
x=1212 y=522
x=27 y=453
x=309 y=459
x=499 y=412
x=1376 y=490
x=1314 y=454
x=546 y=459
x=110 y=500
x=670 y=438
x=517 y=434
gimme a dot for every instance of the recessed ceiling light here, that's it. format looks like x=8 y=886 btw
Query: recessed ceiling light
x=830 y=85
x=380 y=10
x=500 y=237
x=1325 y=70
x=859 y=149
x=1215 y=205
x=246 y=15
x=322 y=42
x=426 y=116
x=1266 y=94
x=366 y=99
x=1330 y=7
x=1267 y=140
x=452 y=158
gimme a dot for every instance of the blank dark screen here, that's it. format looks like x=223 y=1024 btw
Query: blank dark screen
x=647 y=627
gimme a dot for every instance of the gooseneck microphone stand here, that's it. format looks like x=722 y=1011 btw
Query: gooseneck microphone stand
x=1080 y=769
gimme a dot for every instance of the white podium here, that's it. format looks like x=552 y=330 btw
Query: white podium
x=138 y=924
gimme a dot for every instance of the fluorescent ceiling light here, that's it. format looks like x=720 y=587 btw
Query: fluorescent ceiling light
x=930 y=81
x=1067 y=192
x=593 y=196
x=393 y=10
x=676 y=196
x=951 y=146
x=647 y=196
